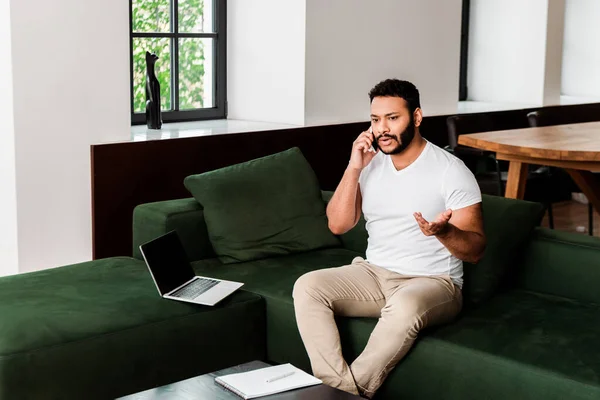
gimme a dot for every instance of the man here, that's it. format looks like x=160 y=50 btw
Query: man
x=423 y=213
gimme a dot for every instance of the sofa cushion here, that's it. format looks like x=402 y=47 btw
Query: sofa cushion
x=508 y=225
x=100 y=330
x=518 y=345
x=263 y=208
x=275 y=277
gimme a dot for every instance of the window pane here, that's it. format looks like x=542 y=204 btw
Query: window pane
x=151 y=15
x=196 y=73
x=196 y=16
x=162 y=48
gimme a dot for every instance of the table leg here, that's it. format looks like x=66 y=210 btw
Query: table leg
x=517 y=179
x=588 y=184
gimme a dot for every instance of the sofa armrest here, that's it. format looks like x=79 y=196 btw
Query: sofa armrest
x=356 y=238
x=562 y=264
x=185 y=216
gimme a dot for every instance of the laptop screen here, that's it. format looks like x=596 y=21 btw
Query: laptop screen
x=167 y=262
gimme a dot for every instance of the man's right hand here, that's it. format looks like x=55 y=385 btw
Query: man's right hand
x=362 y=153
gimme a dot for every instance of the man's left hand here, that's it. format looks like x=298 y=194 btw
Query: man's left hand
x=437 y=227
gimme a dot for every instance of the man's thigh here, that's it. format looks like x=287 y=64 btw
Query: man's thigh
x=424 y=300
x=352 y=290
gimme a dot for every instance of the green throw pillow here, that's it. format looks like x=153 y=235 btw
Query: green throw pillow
x=508 y=224
x=262 y=208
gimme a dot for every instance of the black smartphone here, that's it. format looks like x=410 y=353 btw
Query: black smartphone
x=374 y=145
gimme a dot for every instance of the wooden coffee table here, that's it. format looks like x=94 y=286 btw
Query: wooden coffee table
x=204 y=387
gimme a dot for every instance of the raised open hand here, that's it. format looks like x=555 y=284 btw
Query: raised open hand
x=436 y=227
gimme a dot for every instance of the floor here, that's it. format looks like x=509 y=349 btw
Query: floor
x=572 y=216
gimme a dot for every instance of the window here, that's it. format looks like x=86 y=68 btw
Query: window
x=464 y=50
x=189 y=38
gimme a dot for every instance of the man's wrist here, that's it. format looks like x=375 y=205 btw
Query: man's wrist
x=354 y=169
x=446 y=231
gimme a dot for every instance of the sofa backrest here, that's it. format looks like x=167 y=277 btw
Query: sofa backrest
x=546 y=261
x=561 y=264
x=185 y=216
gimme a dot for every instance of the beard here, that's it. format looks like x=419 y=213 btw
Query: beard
x=404 y=140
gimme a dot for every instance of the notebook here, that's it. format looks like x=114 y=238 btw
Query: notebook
x=267 y=381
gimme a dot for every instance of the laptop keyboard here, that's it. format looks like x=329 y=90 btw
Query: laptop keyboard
x=195 y=289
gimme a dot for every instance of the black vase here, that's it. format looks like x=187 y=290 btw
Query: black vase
x=153 y=117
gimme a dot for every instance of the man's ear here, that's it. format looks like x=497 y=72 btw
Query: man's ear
x=418 y=116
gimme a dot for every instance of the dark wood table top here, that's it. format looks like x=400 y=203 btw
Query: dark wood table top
x=204 y=388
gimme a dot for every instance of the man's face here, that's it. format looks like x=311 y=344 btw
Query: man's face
x=393 y=124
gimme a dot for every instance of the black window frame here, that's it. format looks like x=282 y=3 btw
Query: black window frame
x=219 y=109
x=463 y=91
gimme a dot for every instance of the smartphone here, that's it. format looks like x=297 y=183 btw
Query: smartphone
x=374 y=145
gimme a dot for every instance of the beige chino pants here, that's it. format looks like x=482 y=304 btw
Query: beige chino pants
x=404 y=305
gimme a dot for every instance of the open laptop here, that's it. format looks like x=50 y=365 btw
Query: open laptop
x=174 y=276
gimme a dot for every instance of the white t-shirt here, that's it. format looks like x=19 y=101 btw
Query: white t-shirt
x=434 y=182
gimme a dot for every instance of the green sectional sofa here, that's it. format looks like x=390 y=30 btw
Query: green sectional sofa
x=100 y=330
x=536 y=337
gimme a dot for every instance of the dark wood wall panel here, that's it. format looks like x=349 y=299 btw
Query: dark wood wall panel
x=125 y=175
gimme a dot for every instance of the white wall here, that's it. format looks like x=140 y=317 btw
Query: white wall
x=554 y=52
x=308 y=62
x=8 y=189
x=581 y=55
x=265 y=60
x=71 y=89
x=507 y=42
x=353 y=44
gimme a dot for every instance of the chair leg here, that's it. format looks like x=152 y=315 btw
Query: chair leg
x=550 y=216
x=499 y=174
x=591 y=218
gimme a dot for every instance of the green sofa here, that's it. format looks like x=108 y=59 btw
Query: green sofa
x=100 y=330
x=537 y=337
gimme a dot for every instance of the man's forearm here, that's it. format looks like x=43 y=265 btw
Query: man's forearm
x=464 y=245
x=341 y=210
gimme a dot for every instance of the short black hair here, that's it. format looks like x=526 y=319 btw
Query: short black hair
x=397 y=88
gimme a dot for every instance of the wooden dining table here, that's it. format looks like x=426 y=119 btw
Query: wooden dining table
x=573 y=147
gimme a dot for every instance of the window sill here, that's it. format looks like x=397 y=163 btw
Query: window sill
x=467 y=107
x=141 y=133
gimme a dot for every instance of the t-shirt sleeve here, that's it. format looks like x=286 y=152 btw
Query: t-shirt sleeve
x=460 y=188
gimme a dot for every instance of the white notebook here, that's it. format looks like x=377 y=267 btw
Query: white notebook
x=261 y=382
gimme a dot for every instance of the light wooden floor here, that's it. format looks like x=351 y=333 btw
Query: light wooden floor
x=569 y=215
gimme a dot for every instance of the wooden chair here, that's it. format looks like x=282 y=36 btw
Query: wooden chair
x=490 y=179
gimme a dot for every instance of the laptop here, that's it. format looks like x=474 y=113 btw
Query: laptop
x=174 y=277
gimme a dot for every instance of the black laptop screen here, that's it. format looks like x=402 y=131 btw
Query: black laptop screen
x=167 y=262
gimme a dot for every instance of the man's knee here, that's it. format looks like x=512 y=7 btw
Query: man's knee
x=305 y=285
x=413 y=313
x=405 y=315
